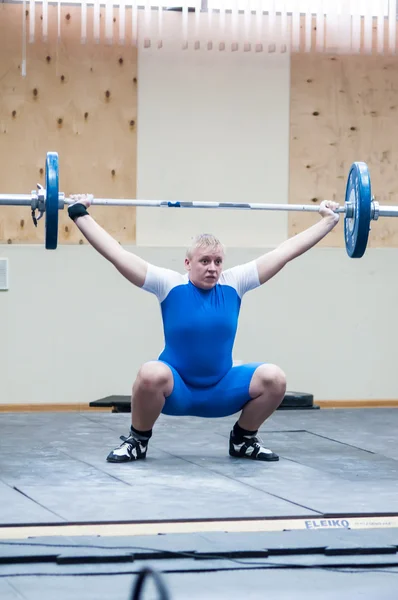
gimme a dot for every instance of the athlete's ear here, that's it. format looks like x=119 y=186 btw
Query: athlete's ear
x=187 y=264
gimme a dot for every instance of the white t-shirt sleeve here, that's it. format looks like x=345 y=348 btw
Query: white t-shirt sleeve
x=160 y=281
x=243 y=277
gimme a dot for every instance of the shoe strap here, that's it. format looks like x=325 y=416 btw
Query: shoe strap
x=130 y=440
x=253 y=443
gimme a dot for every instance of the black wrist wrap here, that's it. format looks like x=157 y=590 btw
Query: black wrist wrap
x=77 y=210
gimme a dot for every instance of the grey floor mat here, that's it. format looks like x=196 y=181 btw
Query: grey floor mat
x=53 y=468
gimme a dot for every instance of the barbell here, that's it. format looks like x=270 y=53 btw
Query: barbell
x=359 y=209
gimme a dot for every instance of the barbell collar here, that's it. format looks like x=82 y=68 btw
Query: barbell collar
x=61 y=200
x=349 y=210
x=375 y=210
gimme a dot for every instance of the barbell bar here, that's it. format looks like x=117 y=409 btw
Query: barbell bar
x=359 y=208
x=26 y=200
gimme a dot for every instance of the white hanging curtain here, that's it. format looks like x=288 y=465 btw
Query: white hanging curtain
x=392 y=26
x=32 y=20
x=380 y=27
x=96 y=21
x=285 y=44
x=367 y=9
x=109 y=22
x=308 y=26
x=83 y=31
x=296 y=13
x=134 y=23
x=198 y=28
x=45 y=20
x=320 y=26
x=23 y=62
x=344 y=26
x=122 y=22
x=356 y=27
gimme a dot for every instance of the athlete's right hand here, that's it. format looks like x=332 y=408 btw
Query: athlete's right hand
x=85 y=199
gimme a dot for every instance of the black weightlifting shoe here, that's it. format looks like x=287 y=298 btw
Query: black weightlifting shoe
x=132 y=448
x=250 y=447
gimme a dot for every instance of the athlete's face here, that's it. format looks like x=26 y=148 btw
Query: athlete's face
x=205 y=267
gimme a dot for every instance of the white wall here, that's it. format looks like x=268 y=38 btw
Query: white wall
x=212 y=126
x=73 y=330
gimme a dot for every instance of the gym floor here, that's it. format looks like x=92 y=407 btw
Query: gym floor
x=70 y=521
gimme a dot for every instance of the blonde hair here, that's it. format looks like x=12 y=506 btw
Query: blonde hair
x=204 y=240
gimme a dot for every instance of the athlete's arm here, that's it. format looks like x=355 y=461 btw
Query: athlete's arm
x=131 y=266
x=271 y=263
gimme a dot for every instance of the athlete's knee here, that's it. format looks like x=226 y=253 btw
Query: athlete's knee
x=154 y=376
x=272 y=379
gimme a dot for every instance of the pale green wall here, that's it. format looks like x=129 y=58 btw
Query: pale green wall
x=73 y=330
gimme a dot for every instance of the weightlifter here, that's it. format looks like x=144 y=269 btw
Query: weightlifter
x=194 y=374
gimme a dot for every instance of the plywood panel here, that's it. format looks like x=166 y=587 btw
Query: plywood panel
x=78 y=100
x=343 y=109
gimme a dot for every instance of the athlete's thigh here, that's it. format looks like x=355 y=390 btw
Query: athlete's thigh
x=231 y=393
x=179 y=402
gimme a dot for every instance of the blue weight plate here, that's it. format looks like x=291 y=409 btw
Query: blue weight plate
x=51 y=200
x=359 y=195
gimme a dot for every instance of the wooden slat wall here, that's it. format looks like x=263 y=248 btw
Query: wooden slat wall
x=96 y=139
x=343 y=109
